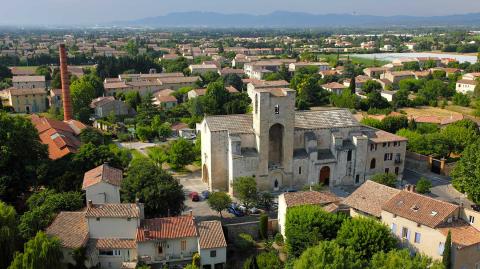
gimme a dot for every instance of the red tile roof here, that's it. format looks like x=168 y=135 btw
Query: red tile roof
x=310 y=198
x=71 y=228
x=211 y=235
x=111 y=243
x=113 y=211
x=166 y=228
x=463 y=234
x=103 y=173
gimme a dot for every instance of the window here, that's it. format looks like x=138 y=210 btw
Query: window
x=471 y=219
x=277 y=109
x=183 y=245
x=98 y=219
x=388 y=144
x=160 y=249
x=372 y=163
x=299 y=170
x=387 y=170
x=105 y=252
x=116 y=252
x=357 y=179
x=372 y=146
x=349 y=155
x=213 y=253
x=396 y=171
x=441 y=247
x=405 y=233
x=417 y=238
x=384 y=144
x=394 y=228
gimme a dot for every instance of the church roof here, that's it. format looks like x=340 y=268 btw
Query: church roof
x=320 y=119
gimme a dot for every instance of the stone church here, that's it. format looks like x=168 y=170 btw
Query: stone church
x=287 y=149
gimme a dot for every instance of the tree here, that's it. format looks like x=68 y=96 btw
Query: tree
x=233 y=80
x=43 y=71
x=372 y=122
x=158 y=155
x=466 y=173
x=265 y=200
x=164 y=131
x=447 y=252
x=219 y=201
x=345 y=100
x=133 y=99
x=392 y=124
x=92 y=135
x=40 y=252
x=366 y=237
x=423 y=185
x=209 y=77
x=215 y=98
x=371 y=86
x=245 y=189
x=82 y=92
x=158 y=190
x=8 y=234
x=460 y=99
x=386 y=179
x=400 y=259
x=307 y=225
x=90 y=156
x=22 y=156
x=145 y=133
x=5 y=72
x=263 y=226
x=268 y=260
x=327 y=255
x=181 y=153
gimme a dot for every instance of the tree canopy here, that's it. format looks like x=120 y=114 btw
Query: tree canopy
x=245 y=189
x=328 y=255
x=40 y=252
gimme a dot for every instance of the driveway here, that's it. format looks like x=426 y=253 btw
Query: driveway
x=442 y=188
x=139 y=146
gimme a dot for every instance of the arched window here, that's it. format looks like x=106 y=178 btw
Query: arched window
x=372 y=163
x=275 y=184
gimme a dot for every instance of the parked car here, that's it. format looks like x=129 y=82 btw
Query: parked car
x=235 y=210
x=194 y=196
x=476 y=208
x=205 y=194
x=254 y=210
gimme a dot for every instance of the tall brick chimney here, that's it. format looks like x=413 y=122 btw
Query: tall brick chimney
x=67 y=101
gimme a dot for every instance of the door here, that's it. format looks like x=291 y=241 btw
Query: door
x=324 y=176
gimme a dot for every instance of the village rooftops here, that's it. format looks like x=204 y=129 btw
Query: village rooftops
x=310 y=198
x=100 y=101
x=28 y=79
x=211 y=235
x=333 y=85
x=370 y=197
x=112 y=210
x=166 y=228
x=18 y=92
x=71 y=228
x=175 y=80
x=463 y=234
x=419 y=208
x=114 y=243
x=278 y=92
x=103 y=173
x=269 y=84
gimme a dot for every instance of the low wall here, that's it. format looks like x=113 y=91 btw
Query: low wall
x=251 y=228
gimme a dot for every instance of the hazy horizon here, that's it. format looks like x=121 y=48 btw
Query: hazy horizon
x=75 y=12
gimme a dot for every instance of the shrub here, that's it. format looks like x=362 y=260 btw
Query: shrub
x=279 y=239
x=423 y=185
x=244 y=242
x=263 y=226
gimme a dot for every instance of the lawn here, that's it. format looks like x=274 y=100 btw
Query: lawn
x=428 y=111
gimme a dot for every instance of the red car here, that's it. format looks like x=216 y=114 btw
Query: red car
x=194 y=196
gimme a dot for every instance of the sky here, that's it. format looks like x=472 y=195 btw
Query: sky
x=71 y=12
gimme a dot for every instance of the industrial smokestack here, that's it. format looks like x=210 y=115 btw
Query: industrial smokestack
x=67 y=102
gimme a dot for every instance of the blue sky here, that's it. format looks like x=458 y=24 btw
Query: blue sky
x=39 y=12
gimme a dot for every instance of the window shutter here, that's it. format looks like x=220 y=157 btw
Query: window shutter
x=408 y=235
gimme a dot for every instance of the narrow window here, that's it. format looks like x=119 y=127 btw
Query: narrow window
x=372 y=163
x=184 y=245
x=160 y=249
x=417 y=237
x=277 y=109
x=349 y=155
x=357 y=179
x=299 y=170
x=396 y=170
x=387 y=170
x=394 y=228
x=471 y=219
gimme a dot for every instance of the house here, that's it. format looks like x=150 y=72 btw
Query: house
x=281 y=147
x=196 y=93
x=108 y=105
x=212 y=244
x=321 y=66
x=327 y=200
x=389 y=95
x=165 y=101
x=201 y=69
x=334 y=87
x=466 y=86
x=28 y=82
x=368 y=199
x=326 y=73
x=258 y=69
x=422 y=224
x=396 y=76
x=263 y=84
x=226 y=71
x=55 y=98
x=359 y=81
x=25 y=100
x=375 y=72
x=102 y=184
x=62 y=137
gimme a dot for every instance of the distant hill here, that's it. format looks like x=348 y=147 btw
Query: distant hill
x=297 y=20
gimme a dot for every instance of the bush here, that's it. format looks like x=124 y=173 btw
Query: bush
x=263 y=226
x=279 y=239
x=268 y=260
x=423 y=185
x=385 y=179
x=244 y=242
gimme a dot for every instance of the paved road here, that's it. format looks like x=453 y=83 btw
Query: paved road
x=441 y=186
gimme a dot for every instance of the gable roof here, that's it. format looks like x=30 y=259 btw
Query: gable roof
x=71 y=228
x=113 y=211
x=103 y=173
x=211 y=235
x=463 y=234
x=28 y=79
x=370 y=197
x=310 y=198
x=166 y=228
x=419 y=208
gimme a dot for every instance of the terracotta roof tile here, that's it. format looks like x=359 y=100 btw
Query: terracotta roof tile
x=166 y=228
x=103 y=173
x=114 y=243
x=310 y=198
x=370 y=197
x=71 y=228
x=113 y=211
x=463 y=234
x=211 y=235
x=419 y=208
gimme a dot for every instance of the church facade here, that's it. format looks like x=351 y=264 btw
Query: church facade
x=287 y=149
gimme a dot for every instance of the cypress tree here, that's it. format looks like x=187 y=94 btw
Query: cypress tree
x=447 y=252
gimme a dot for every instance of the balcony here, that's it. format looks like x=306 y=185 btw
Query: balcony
x=398 y=160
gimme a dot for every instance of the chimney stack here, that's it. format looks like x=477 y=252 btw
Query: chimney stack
x=67 y=102
x=89 y=204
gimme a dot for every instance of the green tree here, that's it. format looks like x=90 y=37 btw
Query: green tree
x=245 y=189
x=92 y=135
x=460 y=99
x=209 y=77
x=386 y=179
x=233 y=80
x=215 y=98
x=8 y=234
x=345 y=100
x=5 y=72
x=263 y=226
x=22 y=156
x=265 y=200
x=328 y=255
x=90 y=156
x=400 y=259
x=40 y=252
x=145 y=133
x=133 y=99
x=160 y=192
x=43 y=71
x=447 y=252
x=219 y=201
x=164 y=131
x=181 y=153
x=423 y=185
x=392 y=124
x=366 y=237
x=466 y=173
x=268 y=260
x=82 y=92
x=158 y=155
x=372 y=122
x=371 y=86
x=307 y=225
